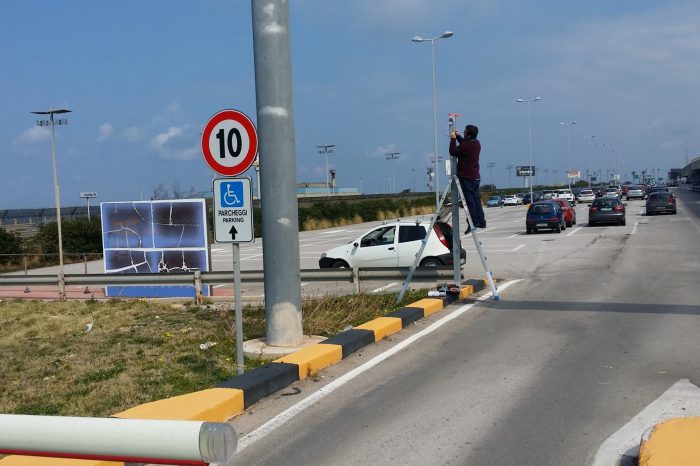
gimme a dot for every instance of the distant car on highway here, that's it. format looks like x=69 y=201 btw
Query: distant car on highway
x=494 y=201
x=547 y=194
x=565 y=194
x=569 y=212
x=607 y=210
x=611 y=192
x=660 y=201
x=395 y=244
x=585 y=195
x=635 y=191
x=511 y=199
x=544 y=215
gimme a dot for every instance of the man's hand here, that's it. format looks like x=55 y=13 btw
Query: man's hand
x=454 y=134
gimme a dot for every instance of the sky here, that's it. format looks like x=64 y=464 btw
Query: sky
x=143 y=78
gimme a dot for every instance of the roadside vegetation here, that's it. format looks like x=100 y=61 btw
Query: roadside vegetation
x=94 y=358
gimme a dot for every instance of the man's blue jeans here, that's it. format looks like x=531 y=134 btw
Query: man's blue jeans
x=470 y=188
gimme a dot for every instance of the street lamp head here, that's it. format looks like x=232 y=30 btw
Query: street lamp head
x=418 y=39
x=446 y=34
x=536 y=99
x=52 y=111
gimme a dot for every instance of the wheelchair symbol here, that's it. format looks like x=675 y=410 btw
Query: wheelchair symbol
x=232 y=194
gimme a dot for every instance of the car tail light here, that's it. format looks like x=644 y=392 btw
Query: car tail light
x=672 y=199
x=553 y=219
x=593 y=209
x=619 y=208
x=440 y=236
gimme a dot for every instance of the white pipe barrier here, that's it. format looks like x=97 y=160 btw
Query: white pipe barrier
x=112 y=439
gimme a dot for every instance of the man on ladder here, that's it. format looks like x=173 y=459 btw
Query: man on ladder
x=467 y=150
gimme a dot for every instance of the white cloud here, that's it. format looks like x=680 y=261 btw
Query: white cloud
x=381 y=151
x=32 y=136
x=105 y=132
x=171 y=144
x=132 y=134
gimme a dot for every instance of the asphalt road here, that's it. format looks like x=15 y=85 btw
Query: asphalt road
x=604 y=320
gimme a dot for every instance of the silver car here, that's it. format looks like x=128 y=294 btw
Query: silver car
x=635 y=192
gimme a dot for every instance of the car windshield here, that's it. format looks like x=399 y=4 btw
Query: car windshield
x=494 y=198
x=659 y=195
x=606 y=202
x=542 y=209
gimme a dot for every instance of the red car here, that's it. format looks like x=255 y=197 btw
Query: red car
x=569 y=212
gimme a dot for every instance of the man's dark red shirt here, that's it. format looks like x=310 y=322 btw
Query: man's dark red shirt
x=467 y=152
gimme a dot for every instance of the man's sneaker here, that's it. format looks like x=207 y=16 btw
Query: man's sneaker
x=483 y=225
x=468 y=230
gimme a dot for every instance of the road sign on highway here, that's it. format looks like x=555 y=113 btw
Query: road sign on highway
x=229 y=143
x=233 y=210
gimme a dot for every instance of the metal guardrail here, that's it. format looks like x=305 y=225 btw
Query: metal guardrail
x=199 y=279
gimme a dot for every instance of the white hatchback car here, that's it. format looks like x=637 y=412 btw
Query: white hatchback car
x=586 y=195
x=511 y=199
x=395 y=244
x=566 y=194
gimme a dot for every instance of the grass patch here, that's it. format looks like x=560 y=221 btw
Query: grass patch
x=139 y=351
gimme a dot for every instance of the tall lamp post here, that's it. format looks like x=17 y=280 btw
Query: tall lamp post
x=491 y=165
x=590 y=142
x=529 y=131
x=568 y=145
x=444 y=35
x=392 y=156
x=51 y=122
x=326 y=149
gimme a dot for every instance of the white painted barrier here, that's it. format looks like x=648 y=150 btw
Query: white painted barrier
x=113 y=439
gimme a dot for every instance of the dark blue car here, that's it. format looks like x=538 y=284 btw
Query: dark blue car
x=545 y=215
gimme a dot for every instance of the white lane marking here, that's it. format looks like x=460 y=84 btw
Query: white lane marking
x=569 y=234
x=517 y=234
x=518 y=248
x=519 y=220
x=681 y=400
x=480 y=231
x=634 y=228
x=385 y=287
x=279 y=420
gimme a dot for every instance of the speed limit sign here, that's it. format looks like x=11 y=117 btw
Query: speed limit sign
x=229 y=143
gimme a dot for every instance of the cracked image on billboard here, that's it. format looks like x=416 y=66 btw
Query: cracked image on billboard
x=154 y=237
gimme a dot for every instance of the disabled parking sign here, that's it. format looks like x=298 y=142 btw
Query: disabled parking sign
x=231 y=194
x=233 y=210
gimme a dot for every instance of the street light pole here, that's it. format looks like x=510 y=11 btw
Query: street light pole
x=57 y=195
x=590 y=142
x=392 y=156
x=568 y=145
x=529 y=132
x=444 y=35
x=325 y=150
x=491 y=165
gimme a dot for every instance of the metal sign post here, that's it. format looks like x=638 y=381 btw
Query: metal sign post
x=233 y=223
x=238 y=312
x=87 y=196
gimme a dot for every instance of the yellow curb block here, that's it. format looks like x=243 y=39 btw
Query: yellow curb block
x=382 y=326
x=672 y=443
x=314 y=358
x=212 y=405
x=429 y=305
x=465 y=292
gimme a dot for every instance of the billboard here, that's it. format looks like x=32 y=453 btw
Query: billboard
x=573 y=174
x=168 y=236
x=525 y=170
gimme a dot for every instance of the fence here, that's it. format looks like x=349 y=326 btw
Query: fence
x=199 y=279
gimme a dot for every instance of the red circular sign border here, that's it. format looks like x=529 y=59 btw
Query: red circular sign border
x=249 y=158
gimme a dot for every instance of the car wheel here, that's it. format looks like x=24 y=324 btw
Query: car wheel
x=623 y=222
x=431 y=262
x=340 y=265
x=570 y=224
x=558 y=228
x=673 y=211
x=528 y=231
x=590 y=223
x=573 y=221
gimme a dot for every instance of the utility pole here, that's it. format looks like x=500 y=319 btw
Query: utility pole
x=280 y=214
x=509 y=168
x=326 y=149
x=392 y=156
x=491 y=165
